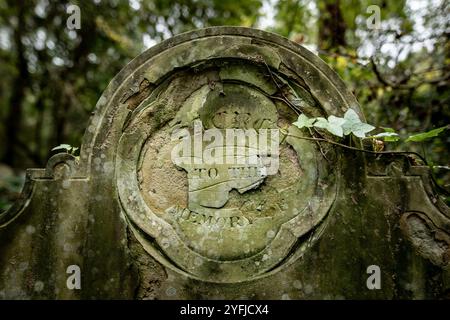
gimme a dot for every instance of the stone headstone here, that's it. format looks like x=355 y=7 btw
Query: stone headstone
x=192 y=183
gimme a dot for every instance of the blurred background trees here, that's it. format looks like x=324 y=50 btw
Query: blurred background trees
x=53 y=76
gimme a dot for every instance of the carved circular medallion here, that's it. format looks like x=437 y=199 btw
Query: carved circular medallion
x=211 y=175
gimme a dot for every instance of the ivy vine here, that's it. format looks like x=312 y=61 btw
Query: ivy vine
x=351 y=124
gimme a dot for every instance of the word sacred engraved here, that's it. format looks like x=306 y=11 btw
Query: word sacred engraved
x=230 y=147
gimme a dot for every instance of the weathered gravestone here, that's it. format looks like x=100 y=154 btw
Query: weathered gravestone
x=144 y=214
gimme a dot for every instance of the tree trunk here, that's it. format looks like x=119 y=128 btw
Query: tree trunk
x=331 y=25
x=18 y=91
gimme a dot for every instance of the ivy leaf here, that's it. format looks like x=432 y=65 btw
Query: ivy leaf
x=391 y=138
x=335 y=125
x=387 y=129
x=321 y=123
x=304 y=121
x=354 y=125
x=332 y=125
x=63 y=146
x=387 y=136
x=426 y=135
x=67 y=147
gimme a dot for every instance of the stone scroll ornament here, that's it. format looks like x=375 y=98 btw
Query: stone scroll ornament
x=192 y=183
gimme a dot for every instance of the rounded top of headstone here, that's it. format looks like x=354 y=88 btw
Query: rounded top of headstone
x=330 y=91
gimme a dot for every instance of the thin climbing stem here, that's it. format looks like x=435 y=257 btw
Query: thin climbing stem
x=354 y=148
x=318 y=145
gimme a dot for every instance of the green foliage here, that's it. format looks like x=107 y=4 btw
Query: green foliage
x=334 y=125
x=352 y=124
x=386 y=136
x=304 y=121
x=426 y=135
x=67 y=147
x=349 y=124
